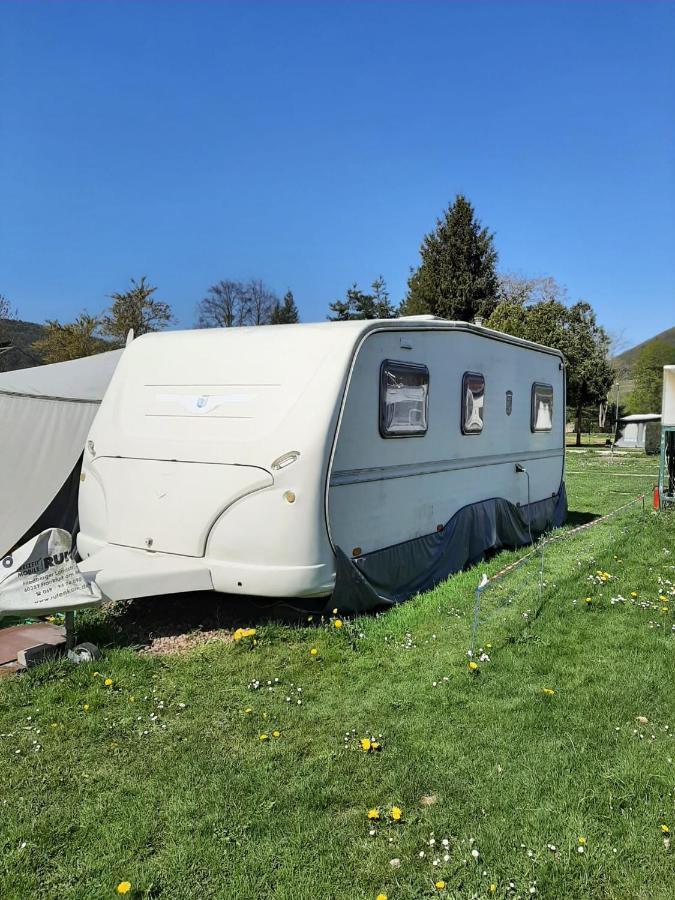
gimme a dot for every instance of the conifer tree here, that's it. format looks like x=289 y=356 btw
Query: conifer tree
x=457 y=277
x=286 y=312
x=359 y=305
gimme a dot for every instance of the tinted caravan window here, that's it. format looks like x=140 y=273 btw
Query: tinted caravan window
x=542 y=407
x=404 y=399
x=473 y=397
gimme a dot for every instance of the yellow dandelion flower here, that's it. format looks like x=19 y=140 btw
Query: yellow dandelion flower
x=663 y=598
x=94 y=674
x=396 y=813
x=440 y=885
x=582 y=841
x=55 y=724
x=488 y=646
x=493 y=888
x=248 y=710
x=86 y=707
x=588 y=600
x=123 y=887
x=633 y=593
x=374 y=814
x=365 y=744
x=108 y=682
x=338 y=623
x=263 y=737
x=335 y=611
x=548 y=691
x=374 y=745
x=381 y=897
x=276 y=733
x=313 y=651
x=665 y=829
x=132 y=699
x=473 y=666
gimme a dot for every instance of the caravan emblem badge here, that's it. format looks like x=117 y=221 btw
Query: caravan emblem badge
x=201 y=402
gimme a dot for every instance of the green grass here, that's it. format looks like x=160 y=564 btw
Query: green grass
x=193 y=804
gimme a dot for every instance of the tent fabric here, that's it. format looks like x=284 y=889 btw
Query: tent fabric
x=641 y=417
x=79 y=380
x=635 y=431
x=45 y=416
x=392 y=575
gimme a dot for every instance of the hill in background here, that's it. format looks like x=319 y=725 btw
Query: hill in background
x=21 y=335
x=626 y=360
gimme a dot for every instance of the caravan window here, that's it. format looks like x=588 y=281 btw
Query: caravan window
x=473 y=398
x=542 y=407
x=404 y=399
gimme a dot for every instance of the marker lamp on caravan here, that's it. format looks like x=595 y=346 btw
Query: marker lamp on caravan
x=286 y=459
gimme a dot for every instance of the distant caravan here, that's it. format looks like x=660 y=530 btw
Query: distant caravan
x=365 y=460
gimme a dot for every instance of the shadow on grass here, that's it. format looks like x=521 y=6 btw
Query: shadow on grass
x=574 y=519
x=137 y=623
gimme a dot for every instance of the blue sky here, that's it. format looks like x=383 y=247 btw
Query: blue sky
x=313 y=145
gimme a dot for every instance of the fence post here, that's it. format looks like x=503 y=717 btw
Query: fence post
x=476 y=613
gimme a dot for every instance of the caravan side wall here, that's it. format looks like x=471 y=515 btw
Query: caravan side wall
x=387 y=490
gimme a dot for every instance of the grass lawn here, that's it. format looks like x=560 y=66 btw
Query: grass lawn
x=161 y=777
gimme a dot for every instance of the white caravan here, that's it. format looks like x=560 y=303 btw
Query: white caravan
x=263 y=460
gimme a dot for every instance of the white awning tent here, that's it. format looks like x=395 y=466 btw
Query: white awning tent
x=45 y=416
x=633 y=429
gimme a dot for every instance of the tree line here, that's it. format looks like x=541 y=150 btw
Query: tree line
x=139 y=311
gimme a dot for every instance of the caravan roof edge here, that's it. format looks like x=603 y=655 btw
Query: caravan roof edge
x=355 y=330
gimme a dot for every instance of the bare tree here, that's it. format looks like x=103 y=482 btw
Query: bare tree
x=230 y=304
x=224 y=306
x=262 y=301
x=7 y=311
x=515 y=288
x=617 y=342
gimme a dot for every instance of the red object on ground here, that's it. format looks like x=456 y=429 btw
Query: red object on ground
x=656 y=497
x=21 y=637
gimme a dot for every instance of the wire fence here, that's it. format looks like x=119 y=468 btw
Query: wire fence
x=532 y=565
